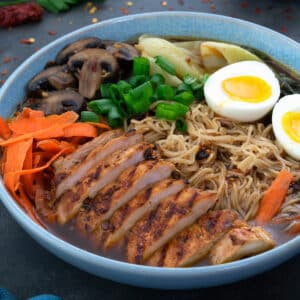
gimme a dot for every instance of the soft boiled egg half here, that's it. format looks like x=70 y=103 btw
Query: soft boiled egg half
x=286 y=124
x=244 y=91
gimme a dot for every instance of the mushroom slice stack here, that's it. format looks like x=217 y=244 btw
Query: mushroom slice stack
x=93 y=66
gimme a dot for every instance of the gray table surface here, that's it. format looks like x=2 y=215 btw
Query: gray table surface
x=26 y=268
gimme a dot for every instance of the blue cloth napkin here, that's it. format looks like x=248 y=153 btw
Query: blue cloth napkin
x=6 y=295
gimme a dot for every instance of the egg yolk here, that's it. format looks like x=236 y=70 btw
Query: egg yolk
x=247 y=89
x=291 y=125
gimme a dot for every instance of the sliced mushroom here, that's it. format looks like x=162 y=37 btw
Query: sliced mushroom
x=71 y=49
x=57 y=102
x=123 y=52
x=53 y=78
x=93 y=66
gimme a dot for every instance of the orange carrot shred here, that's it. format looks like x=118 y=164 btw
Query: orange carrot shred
x=274 y=197
x=54 y=146
x=4 y=129
x=80 y=129
x=99 y=125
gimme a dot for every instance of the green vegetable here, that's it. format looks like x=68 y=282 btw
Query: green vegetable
x=183 y=88
x=115 y=117
x=165 y=65
x=6 y=3
x=137 y=80
x=57 y=6
x=189 y=79
x=170 y=111
x=141 y=66
x=165 y=92
x=194 y=84
x=102 y=106
x=181 y=125
x=157 y=79
x=104 y=89
x=185 y=98
x=143 y=91
x=89 y=116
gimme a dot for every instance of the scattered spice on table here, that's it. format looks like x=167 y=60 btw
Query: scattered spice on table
x=52 y=32
x=27 y=41
x=4 y=72
x=93 y=10
x=283 y=29
x=6 y=59
x=124 y=10
x=244 y=4
x=257 y=10
x=18 y=14
x=129 y=3
x=95 y=20
x=164 y=3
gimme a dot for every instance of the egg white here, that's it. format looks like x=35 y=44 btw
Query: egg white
x=290 y=103
x=219 y=101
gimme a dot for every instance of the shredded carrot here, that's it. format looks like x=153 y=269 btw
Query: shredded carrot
x=54 y=146
x=80 y=129
x=4 y=129
x=274 y=197
x=99 y=125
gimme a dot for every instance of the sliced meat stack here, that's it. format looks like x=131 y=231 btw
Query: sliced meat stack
x=116 y=191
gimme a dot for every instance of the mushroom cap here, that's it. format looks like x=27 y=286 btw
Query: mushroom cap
x=71 y=49
x=57 y=102
x=52 y=78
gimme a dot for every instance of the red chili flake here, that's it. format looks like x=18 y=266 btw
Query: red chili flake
x=6 y=60
x=188 y=60
x=52 y=32
x=289 y=10
x=244 y=4
x=257 y=10
x=180 y=2
x=213 y=7
x=14 y=15
x=124 y=11
x=4 y=72
x=37 y=49
x=27 y=41
x=2 y=81
x=170 y=8
x=283 y=29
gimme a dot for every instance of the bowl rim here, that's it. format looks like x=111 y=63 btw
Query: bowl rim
x=41 y=234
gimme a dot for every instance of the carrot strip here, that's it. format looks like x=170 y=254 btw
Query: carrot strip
x=99 y=125
x=4 y=129
x=27 y=180
x=54 y=146
x=15 y=157
x=274 y=197
x=80 y=129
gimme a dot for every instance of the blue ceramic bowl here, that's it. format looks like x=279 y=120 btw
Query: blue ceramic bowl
x=198 y=25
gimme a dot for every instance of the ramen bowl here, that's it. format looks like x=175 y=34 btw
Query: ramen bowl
x=177 y=24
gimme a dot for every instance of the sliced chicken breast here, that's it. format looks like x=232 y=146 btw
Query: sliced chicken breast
x=63 y=164
x=145 y=201
x=241 y=242
x=193 y=243
x=97 y=155
x=116 y=194
x=170 y=217
x=102 y=174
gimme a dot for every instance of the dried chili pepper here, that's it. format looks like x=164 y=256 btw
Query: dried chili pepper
x=14 y=15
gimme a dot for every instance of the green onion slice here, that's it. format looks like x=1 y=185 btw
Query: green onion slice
x=185 y=98
x=102 y=106
x=165 y=65
x=171 y=111
x=165 y=92
x=115 y=117
x=181 y=125
x=141 y=66
x=89 y=116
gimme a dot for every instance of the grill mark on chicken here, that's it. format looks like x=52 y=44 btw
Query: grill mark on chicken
x=169 y=218
x=117 y=194
x=102 y=151
x=194 y=242
x=242 y=241
x=64 y=164
x=127 y=216
x=104 y=173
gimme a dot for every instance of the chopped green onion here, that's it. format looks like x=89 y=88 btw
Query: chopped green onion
x=189 y=79
x=115 y=92
x=141 y=66
x=181 y=125
x=115 y=117
x=102 y=106
x=124 y=86
x=183 y=88
x=105 y=90
x=143 y=91
x=89 y=116
x=137 y=80
x=165 y=92
x=170 y=111
x=157 y=79
x=185 y=98
x=165 y=65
